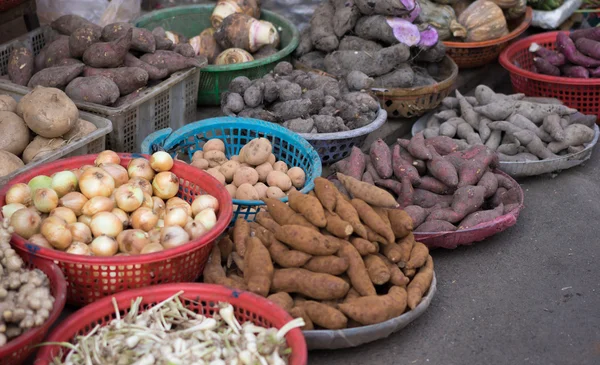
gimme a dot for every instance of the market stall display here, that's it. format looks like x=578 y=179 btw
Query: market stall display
x=32 y=296
x=93 y=277
x=202 y=312
x=552 y=18
x=192 y=20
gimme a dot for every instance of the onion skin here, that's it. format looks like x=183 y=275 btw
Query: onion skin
x=129 y=197
x=142 y=183
x=45 y=199
x=176 y=217
x=165 y=185
x=117 y=172
x=9 y=209
x=132 y=241
x=39 y=240
x=57 y=233
x=140 y=167
x=96 y=205
x=124 y=217
x=107 y=157
x=18 y=193
x=96 y=182
x=161 y=161
x=64 y=182
x=195 y=230
x=151 y=248
x=173 y=236
x=177 y=202
x=74 y=201
x=65 y=213
x=26 y=223
x=148 y=201
x=106 y=224
x=79 y=248
x=205 y=201
x=104 y=246
x=158 y=206
x=80 y=232
x=85 y=219
x=207 y=218
x=144 y=219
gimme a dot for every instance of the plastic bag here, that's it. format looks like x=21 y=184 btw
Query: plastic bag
x=101 y=12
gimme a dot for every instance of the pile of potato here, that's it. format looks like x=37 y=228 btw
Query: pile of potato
x=253 y=174
x=42 y=121
x=333 y=261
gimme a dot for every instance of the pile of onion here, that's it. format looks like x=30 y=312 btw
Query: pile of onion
x=107 y=209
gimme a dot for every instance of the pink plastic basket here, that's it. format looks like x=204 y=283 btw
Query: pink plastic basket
x=464 y=237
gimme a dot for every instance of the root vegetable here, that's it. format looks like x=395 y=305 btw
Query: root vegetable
x=340 y=63
x=357 y=271
x=108 y=54
x=306 y=240
x=142 y=40
x=374 y=309
x=545 y=67
x=575 y=135
x=285 y=257
x=325 y=315
x=55 y=77
x=172 y=61
x=368 y=193
x=258 y=266
x=67 y=24
x=322 y=32
x=352 y=43
x=333 y=265
x=245 y=32
x=127 y=79
x=567 y=47
x=94 y=89
x=20 y=65
x=552 y=57
x=385 y=7
x=154 y=73
x=381 y=157
x=377 y=269
x=420 y=284
x=311 y=285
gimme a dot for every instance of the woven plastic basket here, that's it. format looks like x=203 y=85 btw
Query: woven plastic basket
x=200 y=298
x=171 y=103
x=477 y=54
x=580 y=94
x=94 y=142
x=235 y=133
x=191 y=20
x=333 y=147
x=413 y=102
x=91 y=278
x=15 y=352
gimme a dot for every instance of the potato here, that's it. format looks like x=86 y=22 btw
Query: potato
x=272 y=159
x=261 y=189
x=235 y=158
x=245 y=174
x=200 y=163
x=198 y=155
x=275 y=192
x=228 y=169
x=48 y=112
x=297 y=176
x=292 y=189
x=81 y=129
x=242 y=155
x=280 y=166
x=257 y=151
x=40 y=147
x=15 y=134
x=7 y=103
x=246 y=192
x=263 y=170
x=214 y=172
x=214 y=144
x=9 y=163
x=243 y=164
x=215 y=158
x=231 y=189
x=279 y=179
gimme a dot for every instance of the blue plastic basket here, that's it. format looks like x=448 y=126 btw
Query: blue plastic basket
x=235 y=133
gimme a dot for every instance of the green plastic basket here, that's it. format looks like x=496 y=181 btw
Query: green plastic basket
x=190 y=20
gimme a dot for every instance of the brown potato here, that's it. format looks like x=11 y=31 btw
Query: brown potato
x=297 y=176
x=279 y=179
x=215 y=158
x=246 y=192
x=280 y=166
x=257 y=151
x=245 y=175
x=261 y=189
x=275 y=192
x=214 y=144
x=228 y=169
x=263 y=171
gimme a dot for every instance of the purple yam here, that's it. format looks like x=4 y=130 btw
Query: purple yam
x=429 y=36
x=544 y=67
x=565 y=45
x=404 y=31
x=578 y=72
x=553 y=57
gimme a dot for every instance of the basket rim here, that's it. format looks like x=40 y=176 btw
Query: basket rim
x=379 y=120
x=59 y=286
x=282 y=53
x=82 y=315
x=494 y=42
x=506 y=60
x=223 y=220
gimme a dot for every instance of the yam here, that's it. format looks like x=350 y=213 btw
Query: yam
x=368 y=193
x=93 y=89
x=285 y=257
x=322 y=32
x=108 y=54
x=15 y=133
x=258 y=267
x=172 y=61
x=154 y=73
x=325 y=316
x=309 y=284
x=81 y=39
x=67 y=24
x=363 y=246
x=352 y=43
x=420 y=284
x=40 y=147
x=378 y=271
x=333 y=265
x=357 y=271
x=127 y=79
x=309 y=207
x=373 y=309
x=306 y=240
x=48 y=112
x=20 y=65
x=56 y=77
x=348 y=213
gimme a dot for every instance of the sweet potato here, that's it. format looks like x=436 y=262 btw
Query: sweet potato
x=405 y=247
x=226 y=247
x=471 y=164
x=401 y=222
x=552 y=57
x=466 y=200
x=402 y=167
x=285 y=257
x=324 y=315
x=575 y=135
x=81 y=39
x=154 y=73
x=482 y=216
x=283 y=214
x=407 y=195
x=544 y=67
x=326 y=193
x=417 y=213
x=309 y=284
x=369 y=193
x=333 y=265
x=241 y=230
x=442 y=144
x=184 y=49
x=489 y=182
x=565 y=45
x=264 y=219
x=357 y=272
x=337 y=226
x=213 y=268
x=172 y=61
x=283 y=300
x=20 y=65
x=127 y=79
x=417 y=147
x=589 y=33
x=434 y=185
x=420 y=284
x=322 y=32
x=551 y=125
x=161 y=40
x=374 y=309
x=373 y=220
x=142 y=40
x=418 y=256
x=442 y=169
x=258 y=267
x=436 y=226
x=67 y=24
x=381 y=157
x=427 y=199
x=299 y=312
x=310 y=207
x=377 y=269
x=340 y=63
x=108 y=54
x=386 y=7
x=349 y=214
x=306 y=240
x=260 y=232
x=356 y=163
x=391 y=251
x=467 y=112
x=363 y=246
x=56 y=51
x=94 y=89
x=375 y=237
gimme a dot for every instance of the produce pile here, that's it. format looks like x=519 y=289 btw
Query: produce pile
x=577 y=55
x=519 y=129
x=334 y=261
x=46 y=113
x=107 y=209
x=101 y=65
x=441 y=187
x=170 y=333
x=377 y=38
x=253 y=174
x=305 y=102
x=548 y=5
x=236 y=36
x=25 y=298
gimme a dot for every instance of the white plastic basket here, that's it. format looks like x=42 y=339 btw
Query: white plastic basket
x=553 y=19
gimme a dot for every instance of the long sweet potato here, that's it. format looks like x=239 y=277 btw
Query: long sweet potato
x=108 y=54
x=402 y=167
x=154 y=73
x=306 y=240
x=94 y=89
x=57 y=77
x=142 y=39
x=357 y=271
x=20 y=65
x=127 y=79
x=309 y=284
x=369 y=193
x=375 y=309
x=381 y=157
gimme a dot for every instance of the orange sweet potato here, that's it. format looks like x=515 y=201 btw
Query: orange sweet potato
x=405 y=246
x=306 y=240
x=337 y=226
x=396 y=275
x=347 y=212
x=373 y=220
x=310 y=207
x=392 y=251
x=310 y=284
x=326 y=193
x=324 y=315
x=409 y=273
x=241 y=230
x=401 y=222
x=363 y=246
x=231 y=283
x=377 y=269
x=357 y=271
x=285 y=257
x=333 y=265
x=283 y=214
x=375 y=237
x=282 y=299
x=265 y=220
x=258 y=267
x=371 y=194
x=352 y=293
x=420 y=284
x=418 y=256
x=376 y=309
x=299 y=312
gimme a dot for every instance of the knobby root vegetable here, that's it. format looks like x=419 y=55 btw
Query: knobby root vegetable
x=285 y=257
x=420 y=284
x=373 y=220
x=309 y=284
x=325 y=315
x=332 y=265
x=377 y=269
x=258 y=266
x=368 y=193
x=357 y=271
x=340 y=63
x=322 y=31
x=348 y=213
x=306 y=240
x=374 y=309
x=309 y=207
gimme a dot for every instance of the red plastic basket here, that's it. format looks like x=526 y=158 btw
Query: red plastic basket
x=9 y=4
x=91 y=278
x=451 y=240
x=15 y=352
x=201 y=298
x=581 y=94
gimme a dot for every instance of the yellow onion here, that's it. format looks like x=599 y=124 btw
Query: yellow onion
x=40 y=181
x=96 y=205
x=142 y=183
x=80 y=232
x=124 y=217
x=26 y=222
x=79 y=248
x=154 y=235
x=158 y=205
x=77 y=173
x=106 y=224
x=117 y=172
x=165 y=185
x=107 y=157
x=129 y=197
x=132 y=241
x=176 y=217
x=9 y=209
x=85 y=219
x=18 y=193
x=85 y=167
x=161 y=161
x=207 y=218
x=195 y=230
x=104 y=246
x=57 y=233
x=161 y=223
x=148 y=201
x=96 y=182
x=151 y=248
x=65 y=213
x=39 y=240
x=205 y=201
x=140 y=167
x=45 y=199
x=176 y=202
x=144 y=219
x=74 y=201
x=173 y=236
x=64 y=182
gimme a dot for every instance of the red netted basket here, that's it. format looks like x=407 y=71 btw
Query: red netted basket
x=201 y=298
x=15 y=352
x=478 y=233
x=477 y=54
x=91 y=278
x=580 y=94
x=9 y=4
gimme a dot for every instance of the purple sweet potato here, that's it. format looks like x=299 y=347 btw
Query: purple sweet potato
x=20 y=65
x=381 y=157
x=141 y=39
x=552 y=57
x=123 y=100
x=566 y=46
x=402 y=167
x=67 y=24
x=94 y=89
x=435 y=186
x=589 y=33
x=466 y=200
x=544 y=67
x=407 y=197
x=127 y=79
x=56 y=51
x=417 y=147
x=356 y=163
x=442 y=144
x=371 y=170
x=390 y=184
x=442 y=169
x=81 y=39
x=490 y=182
x=57 y=77
x=108 y=54
x=588 y=47
x=418 y=214
x=161 y=40
x=445 y=214
x=172 y=61
x=154 y=73
x=578 y=72
x=480 y=217
x=436 y=226
x=69 y=62
x=472 y=163
x=427 y=199
x=368 y=178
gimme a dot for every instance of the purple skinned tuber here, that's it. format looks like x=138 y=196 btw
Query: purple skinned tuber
x=544 y=67
x=414 y=13
x=429 y=36
x=553 y=57
x=404 y=31
x=566 y=45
